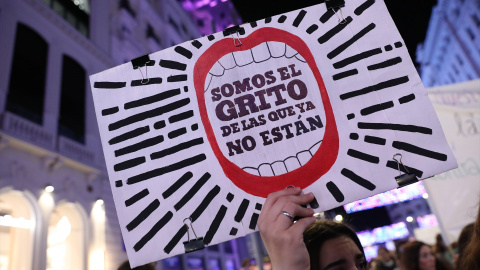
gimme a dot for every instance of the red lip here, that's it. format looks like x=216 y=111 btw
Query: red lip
x=302 y=177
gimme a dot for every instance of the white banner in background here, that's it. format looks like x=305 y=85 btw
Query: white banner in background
x=454 y=195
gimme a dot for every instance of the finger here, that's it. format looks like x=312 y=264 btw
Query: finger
x=295 y=211
x=272 y=199
x=290 y=203
x=302 y=224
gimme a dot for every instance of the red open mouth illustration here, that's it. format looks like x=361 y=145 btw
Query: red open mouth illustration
x=265 y=112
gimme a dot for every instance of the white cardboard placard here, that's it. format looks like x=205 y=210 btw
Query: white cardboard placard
x=207 y=129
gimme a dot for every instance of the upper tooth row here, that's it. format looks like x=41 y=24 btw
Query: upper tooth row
x=259 y=53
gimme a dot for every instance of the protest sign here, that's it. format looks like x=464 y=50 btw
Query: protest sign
x=199 y=134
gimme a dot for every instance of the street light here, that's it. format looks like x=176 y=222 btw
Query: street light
x=49 y=188
x=409 y=219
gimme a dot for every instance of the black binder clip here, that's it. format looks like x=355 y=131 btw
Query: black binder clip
x=406 y=178
x=140 y=62
x=194 y=244
x=336 y=5
x=235 y=30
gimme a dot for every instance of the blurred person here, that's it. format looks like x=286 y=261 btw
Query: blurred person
x=441 y=251
x=307 y=243
x=417 y=255
x=463 y=240
x=245 y=264
x=385 y=260
x=372 y=264
x=126 y=266
x=469 y=257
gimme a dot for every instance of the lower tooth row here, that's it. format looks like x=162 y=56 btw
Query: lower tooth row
x=288 y=165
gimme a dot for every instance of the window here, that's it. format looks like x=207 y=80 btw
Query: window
x=71 y=122
x=75 y=12
x=125 y=4
x=26 y=90
x=150 y=33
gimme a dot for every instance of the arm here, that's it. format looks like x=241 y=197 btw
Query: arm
x=283 y=239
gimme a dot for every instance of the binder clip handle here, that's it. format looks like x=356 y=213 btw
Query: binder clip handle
x=192 y=244
x=403 y=179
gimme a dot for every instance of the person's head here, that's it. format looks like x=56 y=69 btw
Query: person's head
x=384 y=255
x=246 y=262
x=417 y=255
x=330 y=243
x=468 y=259
x=440 y=246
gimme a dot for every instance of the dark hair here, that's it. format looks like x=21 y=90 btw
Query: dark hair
x=321 y=231
x=411 y=254
x=440 y=246
x=126 y=266
x=469 y=257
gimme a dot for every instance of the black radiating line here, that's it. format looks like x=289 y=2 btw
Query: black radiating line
x=109 y=85
x=137 y=197
x=241 y=210
x=143 y=215
x=363 y=156
x=175 y=239
x=375 y=140
x=268 y=19
x=253 y=221
x=128 y=164
x=312 y=28
x=155 y=229
x=282 y=19
x=110 y=111
x=197 y=44
x=299 y=18
x=352 y=59
x=385 y=64
x=376 y=87
x=178 y=132
x=169 y=168
x=204 y=204
x=327 y=15
x=335 y=30
x=351 y=41
x=173 y=65
x=344 y=74
x=211 y=37
x=394 y=165
x=359 y=10
x=233 y=231
x=419 y=151
x=118 y=183
x=139 y=146
x=177 y=78
x=406 y=98
x=177 y=148
x=215 y=224
x=358 y=179
x=337 y=194
x=253 y=24
x=399 y=127
x=182 y=51
x=189 y=195
x=148 y=114
x=152 y=99
x=178 y=184
x=129 y=135
x=147 y=81
x=160 y=124
x=180 y=117
x=376 y=108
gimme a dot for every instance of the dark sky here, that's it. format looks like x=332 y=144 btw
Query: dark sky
x=410 y=16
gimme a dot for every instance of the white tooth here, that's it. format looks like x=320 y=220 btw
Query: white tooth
x=217 y=70
x=290 y=52
x=315 y=147
x=292 y=164
x=227 y=61
x=279 y=168
x=277 y=49
x=265 y=170
x=304 y=157
x=261 y=53
x=243 y=58
x=208 y=80
x=251 y=171
x=300 y=58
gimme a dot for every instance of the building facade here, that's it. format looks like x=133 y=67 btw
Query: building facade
x=56 y=206
x=451 y=50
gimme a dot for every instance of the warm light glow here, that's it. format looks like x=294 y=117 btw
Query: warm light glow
x=99 y=202
x=409 y=219
x=63 y=228
x=10 y=221
x=339 y=218
x=425 y=195
x=97 y=260
x=49 y=188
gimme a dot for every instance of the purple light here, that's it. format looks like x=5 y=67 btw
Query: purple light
x=383 y=234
